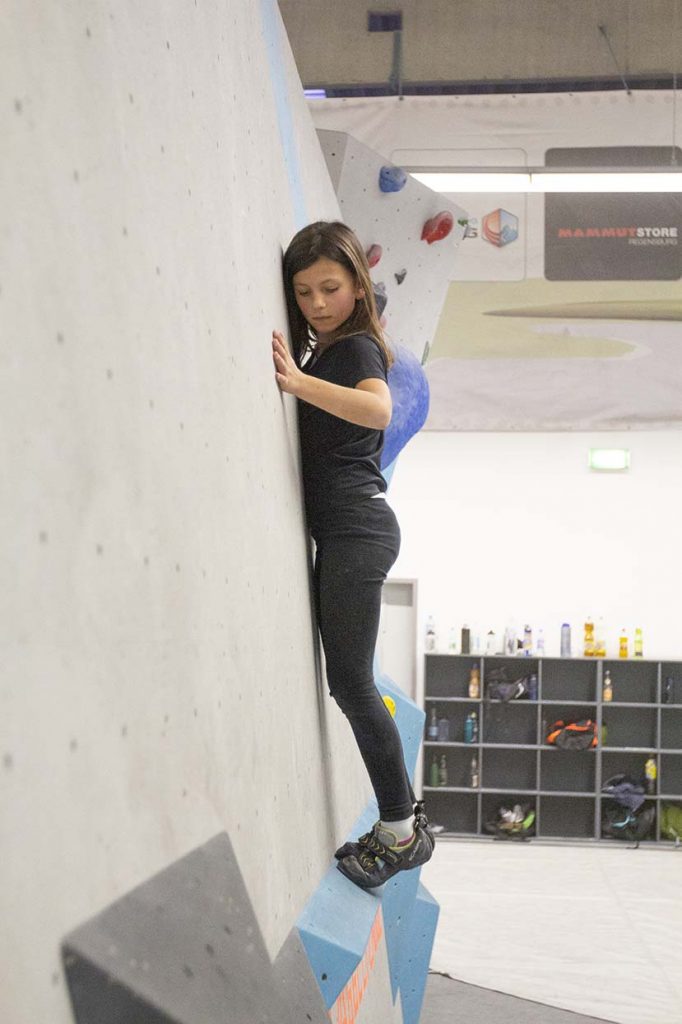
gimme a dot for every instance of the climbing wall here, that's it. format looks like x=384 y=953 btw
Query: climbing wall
x=166 y=739
x=408 y=230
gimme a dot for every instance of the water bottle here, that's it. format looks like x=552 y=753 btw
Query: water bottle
x=540 y=649
x=650 y=773
x=443 y=730
x=466 y=640
x=430 y=639
x=565 y=640
x=432 y=732
x=527 y=641
x=533 y=687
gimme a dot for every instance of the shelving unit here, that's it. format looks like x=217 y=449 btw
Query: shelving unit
x=516 y=765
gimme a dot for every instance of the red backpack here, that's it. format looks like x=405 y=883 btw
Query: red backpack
x=573 y=735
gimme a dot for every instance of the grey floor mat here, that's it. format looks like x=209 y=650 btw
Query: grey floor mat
x=447 y=1000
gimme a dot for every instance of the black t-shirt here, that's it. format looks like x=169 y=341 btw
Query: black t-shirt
x=340 y=460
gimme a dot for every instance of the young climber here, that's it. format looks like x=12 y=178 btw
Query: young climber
x=338 y=373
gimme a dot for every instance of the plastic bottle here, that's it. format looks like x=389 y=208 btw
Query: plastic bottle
x=639 y=644
x=443 y=730
x=527 y=641
x=651 y=774
x=607 y=688
x=669 y=690
x=468 y=730
x=491 y=642
x=510 y=640
x=473 y=773
x=565 y=640
x=475 y=682
x=443 y=772
x=600 y=639
x=433 y=772
x=432 y=732
x=588 y=644
x=540 y=648
x=623 y=644
x=452 y=641
x=430 y=639
x=533 y=687
x=474 y=724
x=466 y=640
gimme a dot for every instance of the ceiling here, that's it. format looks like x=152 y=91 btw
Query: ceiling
x=456 y=46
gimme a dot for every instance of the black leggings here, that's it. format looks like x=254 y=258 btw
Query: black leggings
x=356 y=547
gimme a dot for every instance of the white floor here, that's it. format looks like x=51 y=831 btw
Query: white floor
x=596 y=930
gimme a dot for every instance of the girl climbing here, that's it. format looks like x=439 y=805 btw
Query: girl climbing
x=338 y=373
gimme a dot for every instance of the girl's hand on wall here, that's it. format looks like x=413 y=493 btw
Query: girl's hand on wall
x=288 y=375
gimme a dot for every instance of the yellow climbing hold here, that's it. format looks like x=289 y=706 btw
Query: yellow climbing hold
x=390 y=704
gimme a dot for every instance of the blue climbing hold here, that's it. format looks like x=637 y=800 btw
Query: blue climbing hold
x=410 y=395
x=392 y=179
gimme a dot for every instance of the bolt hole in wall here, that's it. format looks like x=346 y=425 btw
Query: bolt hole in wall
x=504 y=530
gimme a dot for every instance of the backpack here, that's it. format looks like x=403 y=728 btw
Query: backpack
x=573 y=735
x=498 y=687
x=621 y=823
x=671 y=821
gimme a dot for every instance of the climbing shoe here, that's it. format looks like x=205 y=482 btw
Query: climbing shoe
x=380 y=856
x=420 y=819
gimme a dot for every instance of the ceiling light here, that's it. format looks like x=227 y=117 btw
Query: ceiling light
x=543 y=179
x=610 y=460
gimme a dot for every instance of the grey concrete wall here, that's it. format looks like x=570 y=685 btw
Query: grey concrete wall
x=158 y=680
x=480 y=40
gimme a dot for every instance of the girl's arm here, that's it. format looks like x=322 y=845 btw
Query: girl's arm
x=368 y=404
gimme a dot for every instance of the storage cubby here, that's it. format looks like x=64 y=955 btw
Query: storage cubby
x=570 y=817
x=507 y=768
x=670 y=775
x=623 y=728
x=516 y=765
x=634 y=680
x=568 y=771
x=671 y=727
x=491 y=802
x=458 y=817
x=568 y=680
x=511 y=722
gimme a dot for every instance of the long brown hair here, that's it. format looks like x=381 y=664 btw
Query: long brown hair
x=335 y=241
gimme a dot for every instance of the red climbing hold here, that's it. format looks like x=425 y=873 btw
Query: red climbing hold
x=374 y=254
x=438 y=227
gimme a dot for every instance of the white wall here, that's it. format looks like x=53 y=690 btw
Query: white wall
x=514 y=526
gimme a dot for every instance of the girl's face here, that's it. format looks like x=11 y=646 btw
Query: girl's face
x=326 y=293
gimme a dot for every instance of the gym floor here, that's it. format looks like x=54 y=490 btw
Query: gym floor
x=595 y=930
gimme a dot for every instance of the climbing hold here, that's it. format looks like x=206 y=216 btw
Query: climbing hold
x=380 y=296
x=390 y=704
x=400 y=276
x=392 y=179
x=374 y=255
x=438 y=227
x=409 y=389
